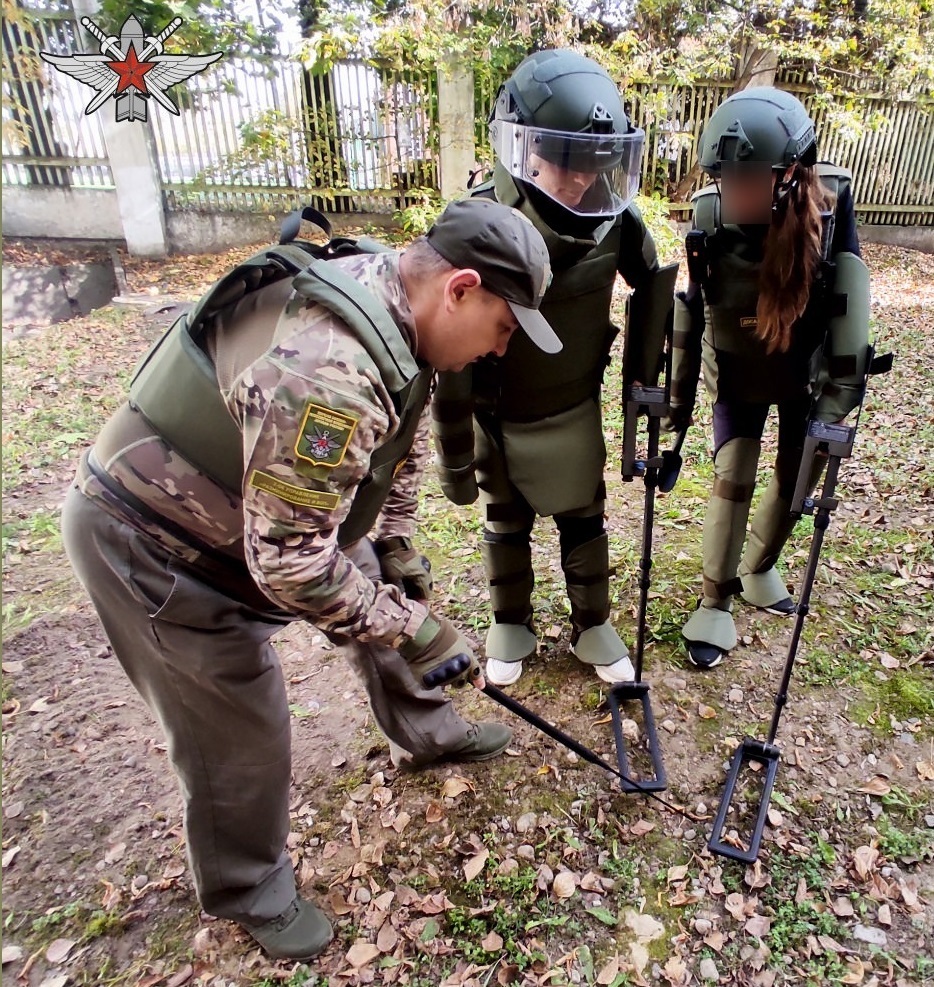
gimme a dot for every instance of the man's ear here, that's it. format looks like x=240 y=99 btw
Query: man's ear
x=459 y=283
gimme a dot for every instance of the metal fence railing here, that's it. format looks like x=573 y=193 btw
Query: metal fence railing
x=47 y=138
x=354 y=140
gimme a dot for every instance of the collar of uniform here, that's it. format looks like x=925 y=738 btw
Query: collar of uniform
x=564 y=251
x=379 y=273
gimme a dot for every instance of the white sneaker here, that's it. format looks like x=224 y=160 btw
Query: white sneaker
x=503 y=672
x=619 y=671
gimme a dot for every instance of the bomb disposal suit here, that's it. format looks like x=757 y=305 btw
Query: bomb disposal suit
x=820 y=374
x=526 y=429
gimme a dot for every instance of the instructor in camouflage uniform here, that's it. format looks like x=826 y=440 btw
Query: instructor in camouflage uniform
x=263 y=438
x=527 y=430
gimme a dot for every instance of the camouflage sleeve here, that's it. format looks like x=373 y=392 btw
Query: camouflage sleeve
x=310 y=424
x=398 y=514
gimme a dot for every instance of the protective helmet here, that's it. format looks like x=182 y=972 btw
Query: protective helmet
x=559 y=124
x=758 y=126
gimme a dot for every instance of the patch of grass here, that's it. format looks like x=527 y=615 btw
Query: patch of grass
x=897 y=844
x=904 y=694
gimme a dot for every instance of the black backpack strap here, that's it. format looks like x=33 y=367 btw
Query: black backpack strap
x=293 y=222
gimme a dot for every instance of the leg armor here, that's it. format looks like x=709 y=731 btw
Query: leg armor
x=507 y=556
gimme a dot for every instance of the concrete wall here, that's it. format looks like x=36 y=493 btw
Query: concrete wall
x=911 y=237
x=83 y=214
x=206 y=232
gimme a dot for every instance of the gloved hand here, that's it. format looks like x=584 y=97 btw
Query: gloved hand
x=440 y=655
x=679 y=418
x=402 y=566
x=459 y=485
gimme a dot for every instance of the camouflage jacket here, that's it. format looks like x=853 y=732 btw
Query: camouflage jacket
x=312 y=409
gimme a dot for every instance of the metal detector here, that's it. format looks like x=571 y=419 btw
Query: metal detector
x=643 y=397
x=626 y=783
x=835 y=443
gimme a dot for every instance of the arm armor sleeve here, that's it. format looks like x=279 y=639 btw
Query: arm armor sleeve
x=846 y=349
x=685 y=358
x=452 y=430
x=647 y=326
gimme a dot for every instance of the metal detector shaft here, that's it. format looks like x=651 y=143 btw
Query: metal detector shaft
x=824 y=506
x=524 y=713
x=838 y=443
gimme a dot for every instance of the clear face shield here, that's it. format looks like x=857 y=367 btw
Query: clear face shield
x=589 y=174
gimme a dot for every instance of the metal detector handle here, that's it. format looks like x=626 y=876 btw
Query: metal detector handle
x=672 y=462
x=826 y=439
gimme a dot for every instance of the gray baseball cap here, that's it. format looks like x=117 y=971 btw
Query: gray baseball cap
x=508 y=253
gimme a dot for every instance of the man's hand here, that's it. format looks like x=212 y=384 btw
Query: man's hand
x=440 y=655
x=402 y=566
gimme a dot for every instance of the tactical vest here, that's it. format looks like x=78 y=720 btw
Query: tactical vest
x=576 y=306
x=734 y=357
x=175 y=387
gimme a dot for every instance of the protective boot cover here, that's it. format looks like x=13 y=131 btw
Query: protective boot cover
x=763 y=589
x=509 y=572
x=601 y=646
x=510 y=642
x=587 y=573
x=710 y=625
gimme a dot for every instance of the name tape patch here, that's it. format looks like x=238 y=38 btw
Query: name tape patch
x=291 y=494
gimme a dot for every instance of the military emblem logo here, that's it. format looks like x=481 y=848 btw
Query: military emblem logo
x=131 y=69
x=324 y=436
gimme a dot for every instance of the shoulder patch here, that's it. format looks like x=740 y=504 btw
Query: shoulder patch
x=324 y=435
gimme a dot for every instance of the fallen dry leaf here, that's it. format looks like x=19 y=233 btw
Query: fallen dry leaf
x=857 y=971
x=675 y=971
x=492 y=942
x=58 y=951
x=564 y=885
x=641 y=827
x=456 y=786
x=757 y=925
x=434 y=813
x=876 y=786
x=864 y=860
x=677 y=873
x=925 y=770
x=387 y=938
x=639 y=955
x=476 y=864
x=842 y=907
x=338 y=905
x=609 y=972
x=361 y=953
x=645 y=926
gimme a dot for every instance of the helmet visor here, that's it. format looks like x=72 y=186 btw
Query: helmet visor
x=588 y=174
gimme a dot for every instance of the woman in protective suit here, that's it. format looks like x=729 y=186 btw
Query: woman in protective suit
x=528 y=431
x=777 y=313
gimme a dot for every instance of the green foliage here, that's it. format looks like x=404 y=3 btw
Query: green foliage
x=207 y=25
x=416 y=218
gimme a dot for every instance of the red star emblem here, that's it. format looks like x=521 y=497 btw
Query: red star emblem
x=131 y=71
